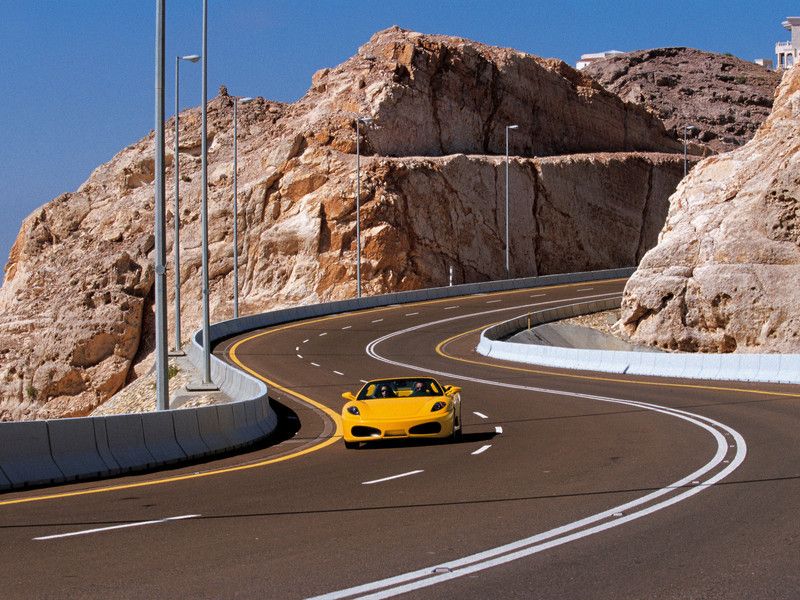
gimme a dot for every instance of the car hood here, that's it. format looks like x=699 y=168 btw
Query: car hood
x=397 y=408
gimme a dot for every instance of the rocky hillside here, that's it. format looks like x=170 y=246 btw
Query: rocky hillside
x=725 y=97
x=76 y=305
x=724 y=274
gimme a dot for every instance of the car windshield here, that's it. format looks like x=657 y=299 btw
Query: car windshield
x=400 y=388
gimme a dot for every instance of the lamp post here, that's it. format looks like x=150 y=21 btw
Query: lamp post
x=508 y=128
x=686 y=130
x=359 y=121
x=236 y=212
x=177 y=242
x=162 y=391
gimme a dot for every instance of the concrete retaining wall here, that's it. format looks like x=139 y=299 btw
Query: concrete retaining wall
x=767 y=368
x=44 y=452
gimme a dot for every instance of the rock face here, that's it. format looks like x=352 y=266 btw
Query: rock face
x=76 y=319
x=725 y=97
x=724 y=274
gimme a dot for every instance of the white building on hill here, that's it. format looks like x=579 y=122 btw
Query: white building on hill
x=787 y=52
x=587 y=59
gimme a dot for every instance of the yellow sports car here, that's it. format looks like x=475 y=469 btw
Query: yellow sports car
x=409 y=407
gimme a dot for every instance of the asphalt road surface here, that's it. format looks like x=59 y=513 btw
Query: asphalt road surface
x=565 y=484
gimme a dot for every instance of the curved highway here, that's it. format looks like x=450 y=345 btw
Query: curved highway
x=565 y=484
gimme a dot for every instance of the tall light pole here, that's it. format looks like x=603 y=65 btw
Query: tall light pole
x=508 y=127
x=177 y=242
x=359 y=121
x=162 y=391
x=236 y=212
x=686 y=130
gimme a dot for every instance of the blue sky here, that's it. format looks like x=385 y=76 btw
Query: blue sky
x=76 y=76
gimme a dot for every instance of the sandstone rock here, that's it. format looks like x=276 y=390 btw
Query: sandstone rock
x=76 y=318
x=725 y=97
x=723 y=275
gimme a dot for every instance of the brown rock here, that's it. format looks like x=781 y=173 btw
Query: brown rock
x=724 y=97
x=723 y=275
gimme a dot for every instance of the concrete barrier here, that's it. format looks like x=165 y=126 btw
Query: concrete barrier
x=187 y=433
x=101 y=438
x=25 y=455
x=74 y=448
x=126 y=442
x=766 y=368
x=159 y=437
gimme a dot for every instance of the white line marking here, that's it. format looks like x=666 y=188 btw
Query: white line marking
x=482 y=449
x=299 y=356
x=125 y=526
x=645 y=505
x=377 y=320
x=323 y=333
x=492 y=301
x=481 y=415
x=538 y=295
x=498 y=429
x=411 y=314
x=584 y=289
x=450 y=307
x=392 y=477
x=315 y=364
x=338 y=372
x=363 y=381
x=297 y=348
x=305 y=341
x=347 y=327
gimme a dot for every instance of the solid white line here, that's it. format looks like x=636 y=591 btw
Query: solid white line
x=481 y=415
x=338 y=372
x=315 y=364
x=392 y=477
x=323 y=333
x=305 y=341
x=498 y=429
x=348 y=327
x=125 y=526
x=482 y=449
x=411 y=314
x=377 y=320
x=492 y=301
x=450 y=307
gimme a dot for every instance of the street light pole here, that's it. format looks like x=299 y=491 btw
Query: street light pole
x=162 y=391
x=204 y=204
x=686 y=129
x=359 y=121
x=508 y=127
x=236 y=211
x=177 y=242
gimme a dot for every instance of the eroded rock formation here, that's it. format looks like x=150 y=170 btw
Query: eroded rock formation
x=76 y=305
x=724 y=97
x=724 y=274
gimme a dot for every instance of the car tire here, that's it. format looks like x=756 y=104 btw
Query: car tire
x=351 y=445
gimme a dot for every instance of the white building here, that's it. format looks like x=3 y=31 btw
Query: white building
x=587 y=59
x=787 y=52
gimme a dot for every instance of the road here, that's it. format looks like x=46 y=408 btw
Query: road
x=565 y=484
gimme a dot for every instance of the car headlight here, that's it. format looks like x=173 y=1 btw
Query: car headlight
x=438 y=406
x=353 y=410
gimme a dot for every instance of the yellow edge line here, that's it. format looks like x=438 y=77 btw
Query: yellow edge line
x=440 y=351
x=333 y=415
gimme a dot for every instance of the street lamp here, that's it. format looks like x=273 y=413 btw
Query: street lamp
x=686 y=130
x=508 y=127
x=177 y=245
x=236 y=101
x=359 y=121
x=160 y=303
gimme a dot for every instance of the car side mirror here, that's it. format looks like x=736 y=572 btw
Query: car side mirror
x=451 y=390
x=348 y=396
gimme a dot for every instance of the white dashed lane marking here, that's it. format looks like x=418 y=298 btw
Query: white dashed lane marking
x=538 y=295
x=392 y=477
x=377 y=320
x=498 y=429
x=482 y=449
x=299 y=356
x=305 y=341
x=492 y=301
x=481 y=415
x=347 y=327
x=338 y=372
x=450 y=307
x=585 y=289
x=315 y=364
x=411 y=314
x=323 y=333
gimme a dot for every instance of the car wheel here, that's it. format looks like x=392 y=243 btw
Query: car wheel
x=351 y=445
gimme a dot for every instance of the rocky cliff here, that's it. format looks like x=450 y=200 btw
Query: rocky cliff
x=724 y=97
x=724 y=274
x=76 y=305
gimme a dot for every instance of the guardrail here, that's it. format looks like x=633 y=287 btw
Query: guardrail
x=62 y=450
x=766 y=368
